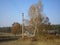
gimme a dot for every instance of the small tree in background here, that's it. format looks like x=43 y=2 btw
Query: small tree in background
x=16 y=28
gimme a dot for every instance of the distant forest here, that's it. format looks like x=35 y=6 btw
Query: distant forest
x=5 y=29
x=8 y=29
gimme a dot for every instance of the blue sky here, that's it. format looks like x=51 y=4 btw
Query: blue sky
x=10 y=11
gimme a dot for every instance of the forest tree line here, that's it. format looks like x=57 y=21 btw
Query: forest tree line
x=41 y=27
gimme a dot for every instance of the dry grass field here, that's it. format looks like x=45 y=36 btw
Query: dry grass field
x=29 y=42
x=42 y=40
